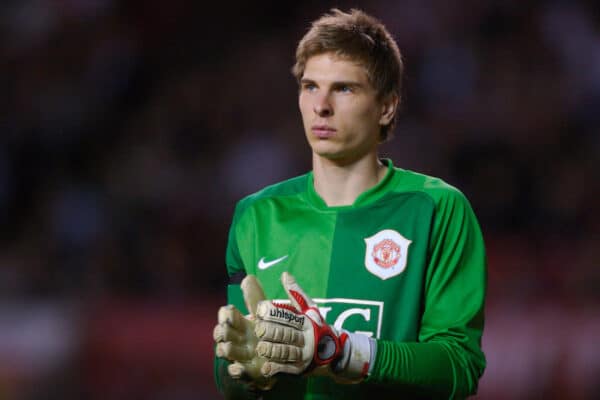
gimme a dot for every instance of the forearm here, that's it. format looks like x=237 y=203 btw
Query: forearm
x=434 y=369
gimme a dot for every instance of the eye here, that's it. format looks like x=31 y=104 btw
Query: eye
x=309 y=87
x=345 y=89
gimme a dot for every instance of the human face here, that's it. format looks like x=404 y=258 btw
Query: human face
x=341 y=114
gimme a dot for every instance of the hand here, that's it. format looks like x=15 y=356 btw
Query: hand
x=236 y=340
x=295 y=339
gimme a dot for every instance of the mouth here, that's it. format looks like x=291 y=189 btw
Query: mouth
x=323 y=131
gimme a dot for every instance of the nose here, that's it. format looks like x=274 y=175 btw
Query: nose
x=322 y=106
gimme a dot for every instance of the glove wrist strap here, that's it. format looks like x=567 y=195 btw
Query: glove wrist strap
x=358 y=357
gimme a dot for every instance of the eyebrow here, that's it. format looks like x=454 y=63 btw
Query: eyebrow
x=306 y=80
x=335 y=83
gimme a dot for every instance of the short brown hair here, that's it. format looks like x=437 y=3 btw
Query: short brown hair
x=357 y=36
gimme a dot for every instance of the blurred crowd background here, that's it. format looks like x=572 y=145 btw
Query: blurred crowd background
x=129 y=129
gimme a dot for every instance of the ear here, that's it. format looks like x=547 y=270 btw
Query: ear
x=388 y=108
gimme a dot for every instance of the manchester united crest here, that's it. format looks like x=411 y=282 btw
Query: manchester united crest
x=386 y=254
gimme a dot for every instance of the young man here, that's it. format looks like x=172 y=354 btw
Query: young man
x=389 y=265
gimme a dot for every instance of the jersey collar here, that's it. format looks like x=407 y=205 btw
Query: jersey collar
x=367 y=197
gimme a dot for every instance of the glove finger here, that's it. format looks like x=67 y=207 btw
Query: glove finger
x=255 y=380
x=271 y=368
x=234 y=352
x=299 y=298
x=236 y=370
x=279 y=352
x=278 y=333
x=281 y=313
x=253 y=293
x=225 y=333
x=230 y=315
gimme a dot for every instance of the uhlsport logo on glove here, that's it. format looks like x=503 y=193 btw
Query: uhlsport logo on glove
x=281 y=312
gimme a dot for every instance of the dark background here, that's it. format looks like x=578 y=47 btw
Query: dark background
x=129 y=129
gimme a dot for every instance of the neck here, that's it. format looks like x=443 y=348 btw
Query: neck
x=340 y=184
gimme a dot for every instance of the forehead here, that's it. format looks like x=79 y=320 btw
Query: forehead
x=331 y=67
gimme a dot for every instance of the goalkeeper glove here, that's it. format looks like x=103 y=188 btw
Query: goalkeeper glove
x=295 y=339
x=236 y=340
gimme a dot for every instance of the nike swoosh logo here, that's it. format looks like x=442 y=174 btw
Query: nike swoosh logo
x=262 y=264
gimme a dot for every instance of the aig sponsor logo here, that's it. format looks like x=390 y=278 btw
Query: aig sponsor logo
x=359 y=316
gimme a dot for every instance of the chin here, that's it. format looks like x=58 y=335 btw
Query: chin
x=326 y=151
x=332 y=155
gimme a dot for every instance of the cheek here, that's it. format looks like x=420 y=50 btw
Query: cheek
x=364 y=124
x=303 y=102
x=365 y=115
x=368 y=111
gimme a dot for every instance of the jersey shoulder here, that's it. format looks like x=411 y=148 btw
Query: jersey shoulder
x=434 y=188
x=289 y=188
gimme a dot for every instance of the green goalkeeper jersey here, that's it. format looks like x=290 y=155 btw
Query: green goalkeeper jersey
x=405 y=264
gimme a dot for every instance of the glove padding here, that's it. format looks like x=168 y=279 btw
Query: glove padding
x=295 y=339
x=236 y=340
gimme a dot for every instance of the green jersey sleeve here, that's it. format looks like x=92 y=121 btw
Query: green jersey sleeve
x=446 y=361
x=233 y=260
x=229 y=387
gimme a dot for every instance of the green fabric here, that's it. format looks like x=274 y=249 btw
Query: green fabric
x=427 y=316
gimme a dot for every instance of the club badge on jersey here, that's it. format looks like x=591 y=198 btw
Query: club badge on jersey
x=386 y=253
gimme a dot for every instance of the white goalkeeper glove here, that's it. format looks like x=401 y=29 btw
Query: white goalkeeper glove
x=236 y=340
x=295 y=339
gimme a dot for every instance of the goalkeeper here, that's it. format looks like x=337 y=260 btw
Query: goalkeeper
x=359 y=279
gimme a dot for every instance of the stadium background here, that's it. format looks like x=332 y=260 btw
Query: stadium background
x=128 y=130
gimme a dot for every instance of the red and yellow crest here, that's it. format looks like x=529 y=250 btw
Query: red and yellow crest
x=386 y=253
